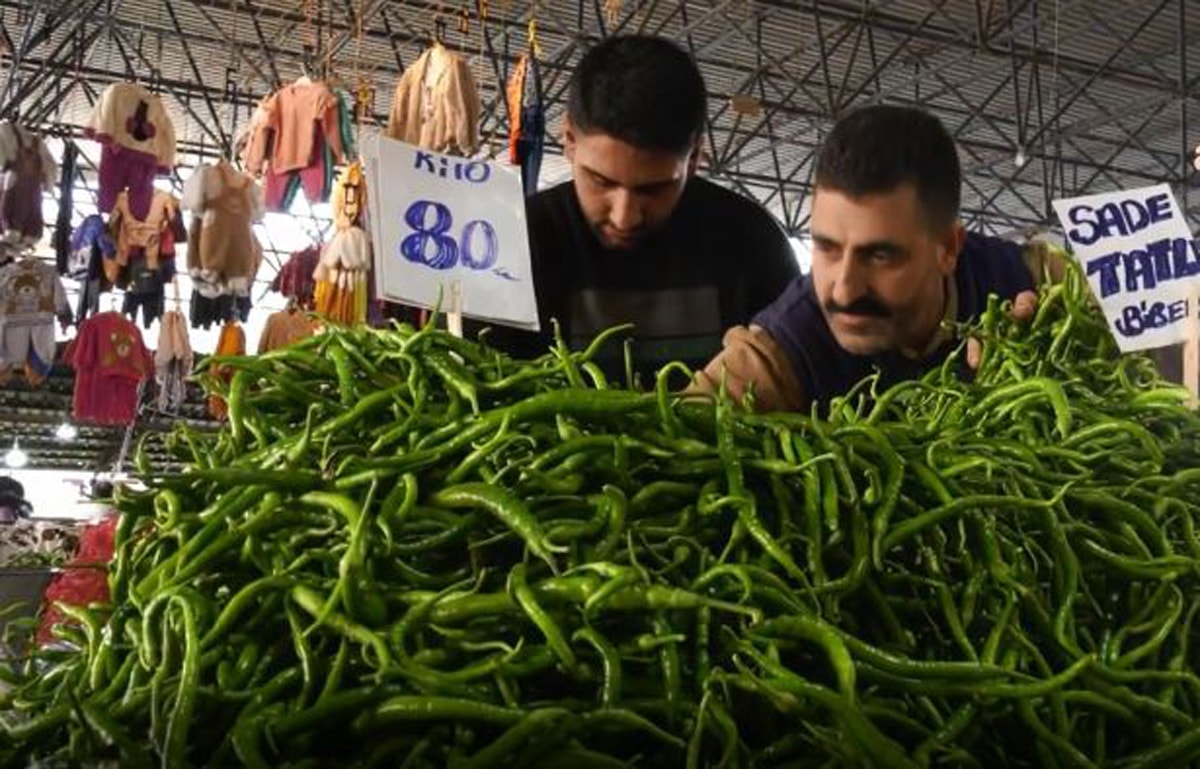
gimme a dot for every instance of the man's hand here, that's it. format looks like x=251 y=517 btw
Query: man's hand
x=1023 y=307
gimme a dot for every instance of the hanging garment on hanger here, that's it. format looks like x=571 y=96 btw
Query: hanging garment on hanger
x=90 y=236
x=284 y=328
x=531 y=142
x=346 y=124
x=110 y=361
x=129 y=116
x=341 y=277
x=172 y=361
x=224 y=203
x=145 y=233
x=126 y=172
x=348 y=251
x=144 y=292
x=295 y=279
x=91 y=245
x=26 y=169
x=315 y=180
x=349 y=199
x=216 y=301
x=527 y=130
x=514 y=97
x=289 y=130
x=138 y=143
x=211 y=306
x=257 y=139
x=31 y=298
x=232 y=341
x=66 y=207
x=436 y=104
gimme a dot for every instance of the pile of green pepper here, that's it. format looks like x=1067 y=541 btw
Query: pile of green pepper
x=408 y=550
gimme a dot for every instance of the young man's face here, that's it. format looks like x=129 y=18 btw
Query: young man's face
x=879 y=269
x=626 y=193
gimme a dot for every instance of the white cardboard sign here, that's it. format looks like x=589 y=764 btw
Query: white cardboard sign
x=1141 y=263
x=437 y=220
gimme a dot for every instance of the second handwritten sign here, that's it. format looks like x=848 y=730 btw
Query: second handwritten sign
x=1140 y=260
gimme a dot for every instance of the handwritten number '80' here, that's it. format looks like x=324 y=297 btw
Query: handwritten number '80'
x=432 y=246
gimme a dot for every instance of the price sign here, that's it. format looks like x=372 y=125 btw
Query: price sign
x=439 y=220
x=1140 y=260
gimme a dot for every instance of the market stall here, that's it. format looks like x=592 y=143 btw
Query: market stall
x=346 y=533
x=406 y=545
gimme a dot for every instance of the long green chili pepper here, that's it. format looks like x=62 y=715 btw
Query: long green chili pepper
x=526 y=599
x=507 y=508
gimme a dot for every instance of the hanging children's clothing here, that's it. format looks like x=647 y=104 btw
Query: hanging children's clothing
x=90 y=237
x=26 y=169
x=110 y=362
x=341 y=277
x=144 y=262
x=129 y=116
x=172 y=361
x=284 y=328
x=31 y=298
x=224 y=254
x=436 y=105
x=295 y=142
x=349 y=199
x=232 y=341
x=295 y=279
x=145 y=233
x=145 y=290
x=139 y=142
x=527 y=126
x=66 y=207
x=224 y=203
x=129 y=173
x=212 y=305
x=91 y=245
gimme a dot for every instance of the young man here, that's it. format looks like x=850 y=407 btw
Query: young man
x=636 y=237
x=892 y=265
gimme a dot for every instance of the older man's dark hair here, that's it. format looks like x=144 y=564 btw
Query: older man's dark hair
x=877 y=149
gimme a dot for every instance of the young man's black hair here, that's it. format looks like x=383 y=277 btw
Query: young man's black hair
x=878 y=148
x=645 y=91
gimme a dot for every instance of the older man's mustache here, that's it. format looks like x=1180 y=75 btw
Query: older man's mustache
x=865 y=305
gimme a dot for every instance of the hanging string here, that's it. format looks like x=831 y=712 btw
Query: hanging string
x=325 y=19
x=359 y=33
x=439 y=24
x=364 y=91
x=481 y=10
x=231 y=87
x=310 y=48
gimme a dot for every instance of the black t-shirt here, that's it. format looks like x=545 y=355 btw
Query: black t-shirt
x=719 y=260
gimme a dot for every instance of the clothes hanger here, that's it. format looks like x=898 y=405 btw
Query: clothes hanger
x=306 y=67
